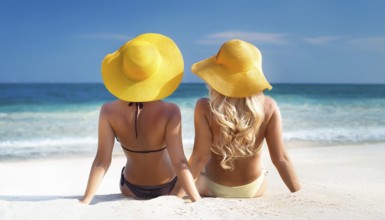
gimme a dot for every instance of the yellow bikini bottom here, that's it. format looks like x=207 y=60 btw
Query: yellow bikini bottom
x=245 y=191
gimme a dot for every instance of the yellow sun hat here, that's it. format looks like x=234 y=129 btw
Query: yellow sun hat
x=147 y=68
x=236 y=71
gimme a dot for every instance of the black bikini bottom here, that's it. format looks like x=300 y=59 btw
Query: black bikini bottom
x=148 y=191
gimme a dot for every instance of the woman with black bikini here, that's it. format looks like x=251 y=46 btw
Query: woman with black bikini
x=140 y=74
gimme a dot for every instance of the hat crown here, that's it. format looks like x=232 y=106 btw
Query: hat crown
x=140 y=60
x=238 y=56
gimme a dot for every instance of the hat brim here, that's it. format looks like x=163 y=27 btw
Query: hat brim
x=228 y=83
x=158 y=86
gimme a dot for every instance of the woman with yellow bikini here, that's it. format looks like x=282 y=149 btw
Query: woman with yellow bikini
x=231 y=125
x=140 y=74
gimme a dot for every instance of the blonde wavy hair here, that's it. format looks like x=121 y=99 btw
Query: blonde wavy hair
x=238 y=120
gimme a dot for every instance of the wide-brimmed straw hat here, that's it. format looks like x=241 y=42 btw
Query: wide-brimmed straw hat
x=146 y=68
x=236 y=71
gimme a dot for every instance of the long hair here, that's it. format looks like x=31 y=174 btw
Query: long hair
x=239 y=120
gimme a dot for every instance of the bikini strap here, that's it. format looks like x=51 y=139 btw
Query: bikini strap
x=138 y=105
x=143 y=151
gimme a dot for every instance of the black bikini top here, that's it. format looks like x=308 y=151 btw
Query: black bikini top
x=143 y=151
x=138 y=105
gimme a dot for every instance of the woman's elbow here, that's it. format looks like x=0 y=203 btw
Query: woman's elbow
x=201 y=160
x=279 y=162
x=180 y=164
x=102 y=163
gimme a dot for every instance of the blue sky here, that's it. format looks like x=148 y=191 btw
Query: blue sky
x=302 y=41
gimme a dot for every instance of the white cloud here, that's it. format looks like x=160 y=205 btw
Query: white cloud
x=371 y=43
x=376 y=44
x=104 y=36
x=323 y=40
x=255 y=37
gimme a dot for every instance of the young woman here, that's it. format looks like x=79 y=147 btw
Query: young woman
x=232 y=124
x=140 y=74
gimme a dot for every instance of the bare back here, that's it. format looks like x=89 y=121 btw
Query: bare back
x=247 y=169
x=147 y=134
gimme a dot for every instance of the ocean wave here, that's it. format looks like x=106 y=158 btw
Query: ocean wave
x=337 y=135
x=40 y=148
x=39 y=120
x=46 y=142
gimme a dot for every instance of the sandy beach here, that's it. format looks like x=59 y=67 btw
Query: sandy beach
x=339 y=182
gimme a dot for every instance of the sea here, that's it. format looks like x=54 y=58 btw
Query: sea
x=43 y=120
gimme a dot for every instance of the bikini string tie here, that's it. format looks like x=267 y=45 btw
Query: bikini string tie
x=138 y=106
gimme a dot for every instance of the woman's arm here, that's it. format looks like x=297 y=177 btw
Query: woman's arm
x=278 y=153
x=203 y=139
x=103 y=157
x=177 y=156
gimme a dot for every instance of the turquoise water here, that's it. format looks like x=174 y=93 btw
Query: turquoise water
x=43 y=120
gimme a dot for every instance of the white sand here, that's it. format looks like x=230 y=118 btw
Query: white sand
x=339 y=182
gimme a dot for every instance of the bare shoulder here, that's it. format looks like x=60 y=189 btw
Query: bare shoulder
x=270 y=103
x=270 y=106
x=171 y=109
x=202 y=104
x=202 y=101
x=108 y=108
